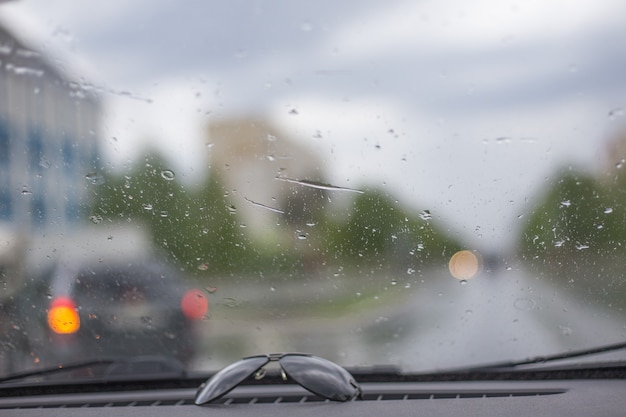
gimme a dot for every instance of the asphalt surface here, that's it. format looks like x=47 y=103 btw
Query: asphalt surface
x=430 y=322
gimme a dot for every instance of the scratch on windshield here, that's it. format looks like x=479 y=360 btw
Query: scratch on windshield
x=254 y=203
x=319 y=185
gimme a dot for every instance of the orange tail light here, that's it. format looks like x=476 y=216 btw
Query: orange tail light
x=63 y=317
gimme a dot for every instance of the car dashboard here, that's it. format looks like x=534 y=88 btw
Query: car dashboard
x=570 y=397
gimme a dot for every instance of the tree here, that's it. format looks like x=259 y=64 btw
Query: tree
x=379 y=232
x=194 y=227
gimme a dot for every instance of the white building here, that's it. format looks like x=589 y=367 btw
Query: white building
x=48 y=157
x=251 y=156
x=47 y=142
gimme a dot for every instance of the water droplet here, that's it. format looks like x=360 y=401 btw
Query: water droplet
x=203 y=267
x=615 y=113
x=620 y=164
x=146 y=321
x=566 y=330
x=582 y=246
x=394 y=282
x=168 y=174
x=608 y=210
x=407 y=285
x=301 y=236
x=164 y=213
x=503 y=139
x=566 y=203
x=26 y=191
x=232 y=209
x=44 y=163
x=559 y=243
x=231 y=302
x=463 y=282
x=211 y=289
x=410 y=271
x=272 y=289
x=95 y=178
x=425 y=215
x=293 y=112
x=95 y=219
x=147 y=206
x=524 y=304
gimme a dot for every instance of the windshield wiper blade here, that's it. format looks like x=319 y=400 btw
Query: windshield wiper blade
x=56 y=369
x=113 y=368
x=507 y=365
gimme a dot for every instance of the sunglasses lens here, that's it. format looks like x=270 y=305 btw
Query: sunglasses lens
x=228 y=378
x=321 y=377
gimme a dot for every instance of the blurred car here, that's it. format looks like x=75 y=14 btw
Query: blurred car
x=105 y=310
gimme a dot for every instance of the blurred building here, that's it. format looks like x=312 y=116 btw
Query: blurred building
x=254 y=161
x=48 y=157
x=47 y=141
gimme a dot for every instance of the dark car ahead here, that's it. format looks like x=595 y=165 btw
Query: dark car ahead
x=110 y=310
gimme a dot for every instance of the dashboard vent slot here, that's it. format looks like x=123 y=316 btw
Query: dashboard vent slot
x=276 y=399
x=459 y=394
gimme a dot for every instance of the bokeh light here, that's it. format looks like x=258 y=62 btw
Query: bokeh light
x=464 y=265
x=62 y=316
x=194 y=304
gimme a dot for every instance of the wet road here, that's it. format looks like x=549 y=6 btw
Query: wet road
x=440 y=323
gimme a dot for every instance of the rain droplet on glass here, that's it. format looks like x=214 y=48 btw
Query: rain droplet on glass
x=425 y=215
x=95 y=219
x=168 y=174
x=94 y=178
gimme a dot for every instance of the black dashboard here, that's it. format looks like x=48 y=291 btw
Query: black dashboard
x=567 y=398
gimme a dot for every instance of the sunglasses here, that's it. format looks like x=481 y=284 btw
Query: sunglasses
x=317 y=375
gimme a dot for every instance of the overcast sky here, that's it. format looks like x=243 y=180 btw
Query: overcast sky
x=462 y=108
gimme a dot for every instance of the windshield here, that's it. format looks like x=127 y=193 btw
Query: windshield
x=421 y=184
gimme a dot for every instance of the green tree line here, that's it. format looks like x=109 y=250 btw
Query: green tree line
x=200 y=230
x=576 y=232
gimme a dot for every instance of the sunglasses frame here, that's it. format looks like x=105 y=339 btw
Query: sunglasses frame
x=333 y=370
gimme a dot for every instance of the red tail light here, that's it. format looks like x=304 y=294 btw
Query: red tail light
x=194 y=304
x=63 y=317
